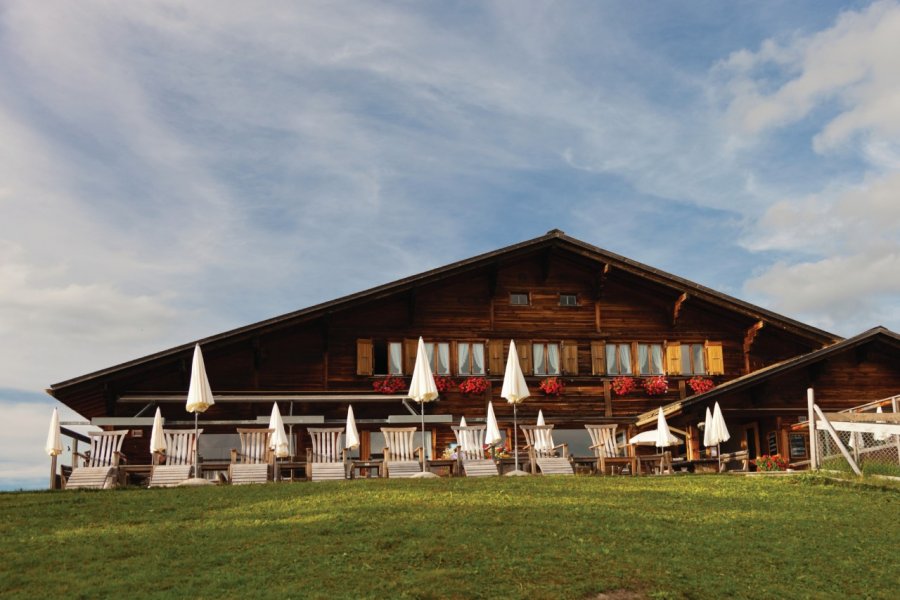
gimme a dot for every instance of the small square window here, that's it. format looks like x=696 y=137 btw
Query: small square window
x=568 y=300
x=518 y=299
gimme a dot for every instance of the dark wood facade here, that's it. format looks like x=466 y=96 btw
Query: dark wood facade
x=313 y=362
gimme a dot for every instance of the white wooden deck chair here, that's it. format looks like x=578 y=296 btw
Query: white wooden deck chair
x=100 y=466
x=470 y=451
x=603 y=444
x=400 y=454
x=253 y=464
x=326 y=459
x=543 y=454
x=180 y=447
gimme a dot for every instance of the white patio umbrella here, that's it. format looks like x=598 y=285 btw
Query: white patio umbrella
x=54 y=446
x=543 y=442
x=515 y=390
x=719 y=432
x=351 y=435
x=157 y=438
x=278 y=442
x=660 y=437
x=199 y=399
x=422 y=389
x=492 y=434
x=707 y=428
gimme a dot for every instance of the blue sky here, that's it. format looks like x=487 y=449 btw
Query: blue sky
x=172 y=170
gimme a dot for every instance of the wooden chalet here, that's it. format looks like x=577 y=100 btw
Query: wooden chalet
x=576 y=311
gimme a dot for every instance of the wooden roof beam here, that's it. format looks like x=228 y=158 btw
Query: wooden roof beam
x=749 y=338
x=599 y=281
x=677 y=308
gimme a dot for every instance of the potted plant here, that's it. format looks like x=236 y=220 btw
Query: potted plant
x=553 y=386
x=656 y=386
x=774 y=462
x=622 y=385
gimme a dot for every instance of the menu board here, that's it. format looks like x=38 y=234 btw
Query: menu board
x=798 y=445
x=773 y=443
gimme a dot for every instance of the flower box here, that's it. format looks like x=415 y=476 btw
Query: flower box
x=553 y=386
x=700 y=385
x=655 y=386
x=770 y=463
x=474 y=385
x=443 y=383
x=389 y=385
x=623 y=385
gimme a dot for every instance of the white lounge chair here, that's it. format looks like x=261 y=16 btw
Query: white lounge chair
x=181 y=444
x=401 y=457
x=543 y=454
x=470 y=452
x=603 y=444
x=326 y=459
x=254 y=463
x=100 y=465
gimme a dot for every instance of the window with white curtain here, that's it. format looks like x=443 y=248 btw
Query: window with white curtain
x=546 y=359
x=618 y=359
x=471 y=358
x=440 y=360
x=650 y=359
x=692 y=359
x=395 y=358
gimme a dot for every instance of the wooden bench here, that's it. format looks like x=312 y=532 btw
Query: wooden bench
x=727 y=460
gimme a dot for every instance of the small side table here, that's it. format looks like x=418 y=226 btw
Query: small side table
x=366 y=466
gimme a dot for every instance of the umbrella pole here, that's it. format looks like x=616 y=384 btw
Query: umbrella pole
x=422 y=413
x=196 y=449
x=515 y=438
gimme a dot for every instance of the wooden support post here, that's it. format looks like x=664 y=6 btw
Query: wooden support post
x=607 y=398
x=813 y=437
x=749 y=338
x=677 y=309
x=837 y=440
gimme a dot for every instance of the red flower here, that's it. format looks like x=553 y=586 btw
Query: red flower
x=389 y=385
x=656 y=386
x=553 y=386
x=700 y=385
x=474 y=385
x=443 y=383
x=622 y=385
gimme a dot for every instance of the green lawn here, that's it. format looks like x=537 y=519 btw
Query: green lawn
x=663 y=537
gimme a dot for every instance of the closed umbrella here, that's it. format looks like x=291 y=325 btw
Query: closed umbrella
x=515 y=390
x=351 y=437
x=278 y=443
x=664 y=437
x=157 y=438
x=54 y=446
x=422 y=389
x=542 y=440
x=707 y=429
x=492 y=434
x=199 y=399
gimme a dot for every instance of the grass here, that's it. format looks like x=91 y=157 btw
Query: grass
x=663 y=537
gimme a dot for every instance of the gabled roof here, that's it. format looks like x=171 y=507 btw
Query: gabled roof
x=762 y=375
x=552 y=239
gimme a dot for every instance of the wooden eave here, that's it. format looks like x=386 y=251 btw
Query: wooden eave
x=552 y=240
x=762 y=375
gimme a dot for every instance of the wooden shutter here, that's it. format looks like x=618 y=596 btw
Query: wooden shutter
x=523 y=349
x=495 y=357
x=598 y=358
x=715 y=362
x=409 y=355
x=673 y=358
x=363 y=357
x=570 y=358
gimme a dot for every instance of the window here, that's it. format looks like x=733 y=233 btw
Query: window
x=518 y=299
x=546 y=359
x=618 y=359
x=650 y=359
x=471 y=358
x=395 y=358
x=568 y=300
x=440 y=361
x=692 y=362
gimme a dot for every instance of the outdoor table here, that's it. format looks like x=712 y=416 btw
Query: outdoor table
x=443 y=463
x=365 y=466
